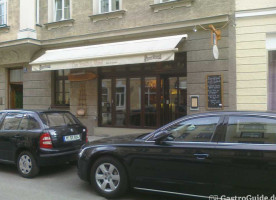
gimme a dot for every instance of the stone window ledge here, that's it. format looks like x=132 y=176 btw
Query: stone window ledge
x=4 y=29
x=59 y=24
x=171 y=5
x=108 y=15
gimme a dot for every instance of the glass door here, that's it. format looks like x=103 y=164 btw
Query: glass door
x=173 y=98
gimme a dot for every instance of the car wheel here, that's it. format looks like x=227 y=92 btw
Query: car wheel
x=109 y=178
x=26 y=165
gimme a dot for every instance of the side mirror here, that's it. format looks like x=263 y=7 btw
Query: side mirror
x=158 y=137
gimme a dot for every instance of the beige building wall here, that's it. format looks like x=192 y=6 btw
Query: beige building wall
x=253 y=23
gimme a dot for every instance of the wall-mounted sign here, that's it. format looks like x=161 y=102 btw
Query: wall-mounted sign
x=214 y=92
x=82 y=76
x=194 y=102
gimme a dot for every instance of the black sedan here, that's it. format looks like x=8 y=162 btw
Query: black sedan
x=224 y=153
x=31 y=139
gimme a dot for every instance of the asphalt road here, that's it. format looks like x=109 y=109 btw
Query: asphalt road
x=55 y=183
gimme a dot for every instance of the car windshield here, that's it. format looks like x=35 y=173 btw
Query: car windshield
x=57 y=119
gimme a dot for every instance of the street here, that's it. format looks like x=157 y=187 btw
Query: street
x=55 y=183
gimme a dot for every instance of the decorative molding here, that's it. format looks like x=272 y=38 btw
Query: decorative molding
x=59 y=24
x=4 y=29
x=108 y=15
x=255 y=12
x=171 y=5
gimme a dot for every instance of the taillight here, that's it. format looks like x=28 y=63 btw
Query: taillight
x=45 y=141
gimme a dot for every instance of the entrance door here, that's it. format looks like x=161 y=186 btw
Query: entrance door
x=173 y=98
x=16 y=88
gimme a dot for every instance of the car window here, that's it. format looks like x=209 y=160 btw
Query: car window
x=1 y=115
x=194 y=130
x=57 y=119
x=29 y=123
x=12 y=121
x=256 y=130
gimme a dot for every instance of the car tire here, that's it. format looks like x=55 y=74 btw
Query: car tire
x=108 y=176
x=27 y=165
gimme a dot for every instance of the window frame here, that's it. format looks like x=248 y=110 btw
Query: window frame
x=62 y=10
x=109 y=6
x=5 y=15
x=63 y=79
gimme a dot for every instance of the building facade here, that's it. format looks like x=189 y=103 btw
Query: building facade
x=85 y=57
x=256 y=54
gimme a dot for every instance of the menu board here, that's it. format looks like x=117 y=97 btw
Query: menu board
x=214 y=87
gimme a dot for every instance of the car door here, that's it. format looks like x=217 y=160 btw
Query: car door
x=183 y=162
x=9 y=128
x=245 y=162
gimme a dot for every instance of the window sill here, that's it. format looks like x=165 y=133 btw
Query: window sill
x=59 y=24
x=4 y=28
x=108 y=15
x=171 y=5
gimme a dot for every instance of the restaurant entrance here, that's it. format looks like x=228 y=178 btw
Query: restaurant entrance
x=143 y=96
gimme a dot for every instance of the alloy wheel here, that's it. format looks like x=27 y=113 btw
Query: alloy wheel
x=107 y=177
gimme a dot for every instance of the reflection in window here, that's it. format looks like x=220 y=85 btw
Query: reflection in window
x=256 y=130
x=12 y=121
x=150 y=101
x=135 y=101
x=62 y=10
x=109 y=5
x=120 y=96
x=194 y=130
x=106 y=102
x=3 y=12
x=62 y=88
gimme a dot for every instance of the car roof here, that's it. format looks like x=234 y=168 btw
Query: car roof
x=35 y=111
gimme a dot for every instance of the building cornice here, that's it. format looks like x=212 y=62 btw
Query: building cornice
x=180 y=27
x=255 y=12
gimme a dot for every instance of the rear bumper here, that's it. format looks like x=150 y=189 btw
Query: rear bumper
x=57 y=157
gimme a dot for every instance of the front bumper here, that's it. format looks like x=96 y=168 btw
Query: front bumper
x=83 y=169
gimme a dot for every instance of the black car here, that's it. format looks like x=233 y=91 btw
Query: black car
x=31 y=139
x=223 y=153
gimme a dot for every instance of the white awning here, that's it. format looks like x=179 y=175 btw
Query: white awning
x=111 y=54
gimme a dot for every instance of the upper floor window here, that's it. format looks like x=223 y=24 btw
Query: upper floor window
x=3 y=12
x=109 y=5
x=62 y=10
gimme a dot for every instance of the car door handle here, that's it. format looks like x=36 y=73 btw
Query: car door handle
x=200 y=156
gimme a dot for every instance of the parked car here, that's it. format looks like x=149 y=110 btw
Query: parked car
x=223 y=153
x=31 y=139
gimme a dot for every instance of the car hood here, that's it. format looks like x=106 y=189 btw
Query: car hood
x=124 y=139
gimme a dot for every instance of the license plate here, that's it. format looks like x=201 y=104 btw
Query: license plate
x=70 y=138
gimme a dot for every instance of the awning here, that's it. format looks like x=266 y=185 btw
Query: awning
x=111 y=54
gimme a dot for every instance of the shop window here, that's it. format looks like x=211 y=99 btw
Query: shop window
x=3 y=12
x=272 y=81
x=62 y=88
x=62 y=10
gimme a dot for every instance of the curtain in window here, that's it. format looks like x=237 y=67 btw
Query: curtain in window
x=272 y=81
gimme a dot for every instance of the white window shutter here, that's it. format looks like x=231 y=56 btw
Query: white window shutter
x=96 y=8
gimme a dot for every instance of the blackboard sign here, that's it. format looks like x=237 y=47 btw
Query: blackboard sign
x=214 y=87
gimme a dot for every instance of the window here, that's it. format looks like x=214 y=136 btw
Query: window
x=62 y=88
x=37 y=12
x=254 y=130
x=194 y=130
x=12 y=121
x=109 y=5
x=3 y=12
x=1 y=115
x=62 y=10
